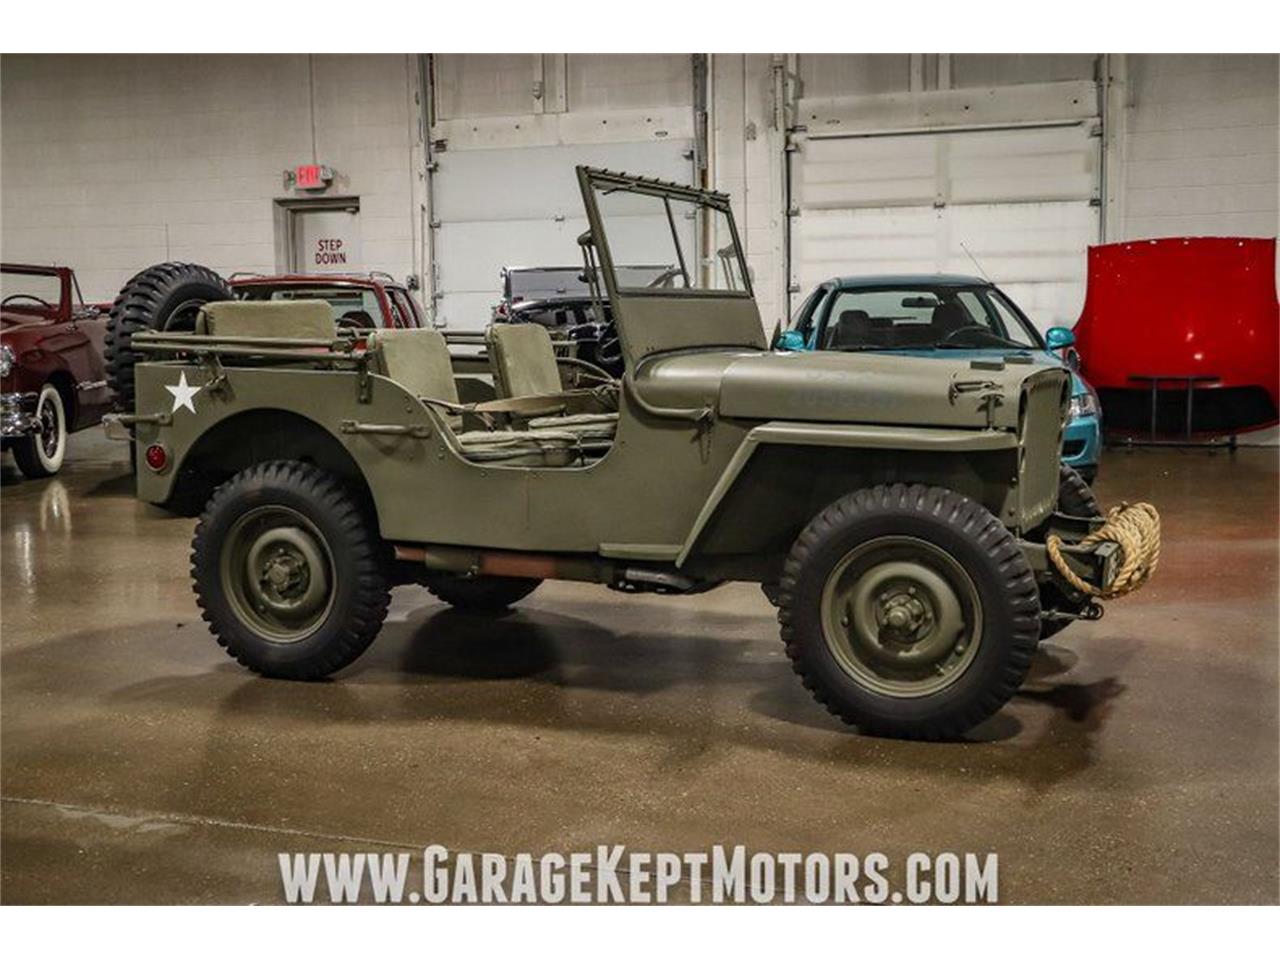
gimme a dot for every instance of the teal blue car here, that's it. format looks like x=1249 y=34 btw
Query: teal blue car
x=926 y=314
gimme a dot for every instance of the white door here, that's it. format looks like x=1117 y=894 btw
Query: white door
x=521 y=207
x=1019 y=205
x=327 y=240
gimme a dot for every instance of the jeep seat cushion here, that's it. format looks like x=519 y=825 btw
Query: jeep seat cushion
x=418 y=360
x=591 y=429
x=525 y=448
x=295 y=319
x=523 y=359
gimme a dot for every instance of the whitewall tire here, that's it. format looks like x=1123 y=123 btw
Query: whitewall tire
x=40 y=453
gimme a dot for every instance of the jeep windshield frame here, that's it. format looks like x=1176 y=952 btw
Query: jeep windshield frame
x=658 y=319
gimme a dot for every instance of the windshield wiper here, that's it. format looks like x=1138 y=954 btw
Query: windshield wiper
x=857 y=347
x=998 y=341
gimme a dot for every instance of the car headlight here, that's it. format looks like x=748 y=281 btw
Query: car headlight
x=6 y=360
x=1083 y=405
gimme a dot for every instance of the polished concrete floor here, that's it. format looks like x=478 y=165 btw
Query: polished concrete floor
x=139 y=764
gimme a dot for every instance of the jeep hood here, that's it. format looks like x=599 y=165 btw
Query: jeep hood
x=834 y=387
x=1078 y=385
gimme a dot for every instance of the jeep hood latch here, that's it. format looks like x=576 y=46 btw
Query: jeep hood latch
x=991 y=395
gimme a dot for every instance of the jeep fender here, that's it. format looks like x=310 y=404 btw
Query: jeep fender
x=844 y=436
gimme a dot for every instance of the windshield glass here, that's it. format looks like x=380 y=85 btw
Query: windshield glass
x=691 y=245
x=354 y=307
x=922 y=318
x=30 y=292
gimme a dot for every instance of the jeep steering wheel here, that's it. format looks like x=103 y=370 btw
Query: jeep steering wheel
x=608 y=346
x=26 y=296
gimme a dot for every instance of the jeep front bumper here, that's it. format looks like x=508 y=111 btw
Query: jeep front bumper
x=1096 y=563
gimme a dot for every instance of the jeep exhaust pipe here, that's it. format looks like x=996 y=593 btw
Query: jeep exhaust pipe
x=547 y=566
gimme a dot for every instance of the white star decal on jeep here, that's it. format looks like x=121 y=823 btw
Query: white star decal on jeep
x=183 y=394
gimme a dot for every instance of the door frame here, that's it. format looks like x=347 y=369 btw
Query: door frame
x=285 y=215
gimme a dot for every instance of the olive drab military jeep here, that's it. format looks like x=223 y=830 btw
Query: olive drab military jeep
x=896 y=510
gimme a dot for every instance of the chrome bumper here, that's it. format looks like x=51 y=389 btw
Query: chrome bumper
x=18 y=414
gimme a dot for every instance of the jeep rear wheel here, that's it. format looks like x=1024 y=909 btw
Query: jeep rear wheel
x=165 y=297
x=909 y=611
x=288 y=571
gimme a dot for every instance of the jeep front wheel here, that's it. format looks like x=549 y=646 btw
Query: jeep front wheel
x=288 y=571
x=909 y=611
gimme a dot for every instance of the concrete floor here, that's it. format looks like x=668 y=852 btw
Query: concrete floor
x=139 y=764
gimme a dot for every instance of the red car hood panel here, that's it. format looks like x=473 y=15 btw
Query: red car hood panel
x=1202 y=306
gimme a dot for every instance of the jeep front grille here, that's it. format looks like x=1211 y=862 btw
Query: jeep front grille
x=1042 y=415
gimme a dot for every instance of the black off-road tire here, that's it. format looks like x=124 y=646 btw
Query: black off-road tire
x=983 y=548
x=482 y=594
x=148 y=302
x=359 y=586
x=1075 y=497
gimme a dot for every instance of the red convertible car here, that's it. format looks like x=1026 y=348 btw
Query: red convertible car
x=52 y=379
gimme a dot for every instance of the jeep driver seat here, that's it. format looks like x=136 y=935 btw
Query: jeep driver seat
x=523 y=361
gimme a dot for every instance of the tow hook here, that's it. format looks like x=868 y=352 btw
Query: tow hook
x=1090 y=611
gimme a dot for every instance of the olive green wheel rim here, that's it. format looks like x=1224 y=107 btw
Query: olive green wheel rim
x=277 y=573
x=901 y=616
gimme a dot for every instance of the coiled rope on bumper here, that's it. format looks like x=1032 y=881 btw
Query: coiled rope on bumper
x=1135 y=527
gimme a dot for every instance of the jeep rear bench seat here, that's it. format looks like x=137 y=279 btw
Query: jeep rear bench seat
x=419 y=361
x=523 y=361
x=295 y=319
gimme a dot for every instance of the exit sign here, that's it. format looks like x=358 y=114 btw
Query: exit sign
x=311 y=176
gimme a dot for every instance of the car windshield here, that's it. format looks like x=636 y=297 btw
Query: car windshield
x=30 y=292
x=932 y=317
x=351 y=306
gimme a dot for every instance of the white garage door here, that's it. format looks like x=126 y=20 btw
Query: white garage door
x=1019 y=202
x=520 y=207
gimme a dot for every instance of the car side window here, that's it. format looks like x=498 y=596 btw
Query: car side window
x=414 y=311
x=403 y=315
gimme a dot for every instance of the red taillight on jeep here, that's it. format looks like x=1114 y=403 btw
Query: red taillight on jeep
x=157 y=457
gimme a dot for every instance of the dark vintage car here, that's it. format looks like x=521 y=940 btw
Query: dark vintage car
x=52 y=379
x=561 y=299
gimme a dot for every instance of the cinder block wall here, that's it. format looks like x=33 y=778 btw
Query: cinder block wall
x=1202 y=146
x=111 y=163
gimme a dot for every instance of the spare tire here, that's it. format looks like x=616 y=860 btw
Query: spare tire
x=164 y=297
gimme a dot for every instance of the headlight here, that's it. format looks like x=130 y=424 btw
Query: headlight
x=1083 y=405
x=6 y=360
